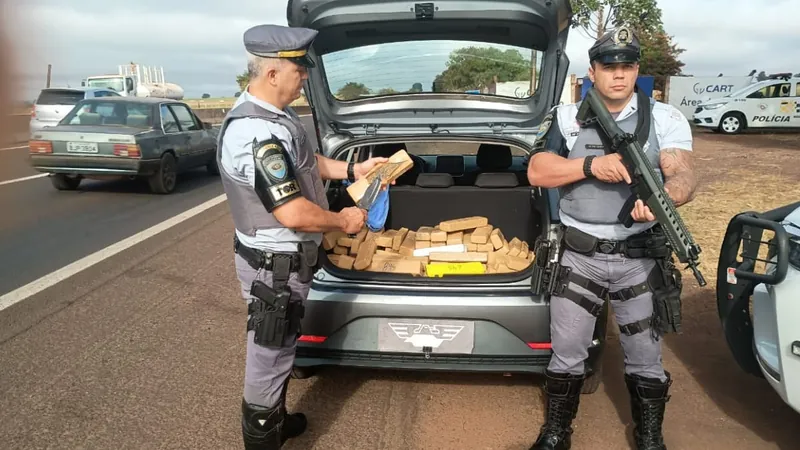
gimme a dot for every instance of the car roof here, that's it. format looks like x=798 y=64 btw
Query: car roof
x=148 y=100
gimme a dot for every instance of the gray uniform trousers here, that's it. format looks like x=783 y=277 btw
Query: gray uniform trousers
x=266 y=369
x=572 y=326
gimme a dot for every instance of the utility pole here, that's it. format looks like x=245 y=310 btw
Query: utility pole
x=49 y=71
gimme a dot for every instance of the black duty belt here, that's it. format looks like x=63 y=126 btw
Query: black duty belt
x=259 y=259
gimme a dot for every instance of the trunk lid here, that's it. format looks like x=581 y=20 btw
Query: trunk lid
x=459 y=67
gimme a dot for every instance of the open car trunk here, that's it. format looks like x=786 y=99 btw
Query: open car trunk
x=427 y=196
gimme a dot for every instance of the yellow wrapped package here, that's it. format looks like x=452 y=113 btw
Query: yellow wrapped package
x=438 y=269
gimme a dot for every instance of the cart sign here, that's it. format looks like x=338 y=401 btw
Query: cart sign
x=686 y=93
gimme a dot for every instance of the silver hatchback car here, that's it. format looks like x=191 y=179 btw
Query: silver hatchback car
x=463 y=87
x=53 y=104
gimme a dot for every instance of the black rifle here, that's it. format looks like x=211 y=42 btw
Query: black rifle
x=645 y=183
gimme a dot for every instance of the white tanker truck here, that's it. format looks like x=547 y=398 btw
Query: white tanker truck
x=138 y=81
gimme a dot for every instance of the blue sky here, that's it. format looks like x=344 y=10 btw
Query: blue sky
x=199 y=42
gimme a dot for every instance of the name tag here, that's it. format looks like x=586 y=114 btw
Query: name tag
x=595 y=146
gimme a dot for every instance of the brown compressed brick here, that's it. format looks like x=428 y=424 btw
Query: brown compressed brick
x=465 y=223
x=422 y=244
x=365 y=253
x=516 y=263
x=514 y=247
x=409 y=244
x=339 y=250
x=358 y=240
x=455 y=238
x=438 y=235
x=407 y=266
x=342 y=261
x=488 y=247
x=399 y=237
x=345 y=242
x=481 y=235
x=386 y=240
x=330 y=238
x=424 y=233
x=497 y=238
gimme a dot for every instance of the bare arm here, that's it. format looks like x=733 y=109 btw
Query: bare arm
x=303 y=215
x=549 y=170
x=679 y=175
x=331 y=169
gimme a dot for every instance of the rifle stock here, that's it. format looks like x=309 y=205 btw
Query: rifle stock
x=646 y=185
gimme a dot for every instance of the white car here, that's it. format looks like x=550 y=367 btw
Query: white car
x=772 y=103
x=764 y=340
x=53 y=104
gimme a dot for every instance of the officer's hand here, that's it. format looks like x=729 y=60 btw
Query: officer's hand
x=642 y=213
x=610 y=169
x=353 y=219
x=361 y=170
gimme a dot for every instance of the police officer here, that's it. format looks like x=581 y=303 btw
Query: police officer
x=273 y=181
x=604 y=259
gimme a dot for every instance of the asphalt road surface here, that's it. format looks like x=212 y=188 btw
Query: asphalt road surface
x=145 y=350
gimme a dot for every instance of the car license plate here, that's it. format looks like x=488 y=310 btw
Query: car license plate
x=415 y=335
x=82 y=147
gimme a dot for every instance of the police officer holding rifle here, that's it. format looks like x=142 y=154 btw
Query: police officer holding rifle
x=614 y=246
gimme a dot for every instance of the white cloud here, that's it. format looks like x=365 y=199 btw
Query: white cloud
x=199 y=43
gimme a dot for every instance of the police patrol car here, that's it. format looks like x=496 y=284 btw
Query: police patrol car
x=771 y=103
x=758 y=304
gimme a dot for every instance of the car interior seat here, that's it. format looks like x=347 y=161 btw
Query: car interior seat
x=494 y=162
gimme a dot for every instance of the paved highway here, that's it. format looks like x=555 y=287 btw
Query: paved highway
x=145 y=350
x=44 y=229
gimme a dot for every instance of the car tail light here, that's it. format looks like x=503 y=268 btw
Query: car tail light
x=127 y=150
x=312 y=339
x=40 y=147
x=540 y=345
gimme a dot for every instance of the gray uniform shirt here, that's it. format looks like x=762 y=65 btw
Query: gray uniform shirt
x=672 y=130
x=237 y=161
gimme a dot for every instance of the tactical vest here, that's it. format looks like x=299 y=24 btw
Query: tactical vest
x=249 y=214
x=597 y=202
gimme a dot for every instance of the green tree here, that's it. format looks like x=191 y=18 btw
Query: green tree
x=242 y=80
x=659 y=58
x=416 y=87
x=352 y=90
x=475 y=67
x=387 y=91
x=595 y=16
x=206 y=95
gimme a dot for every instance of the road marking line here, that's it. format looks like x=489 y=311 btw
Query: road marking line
x=65 y=272
x=17 y=180
x=13 y=148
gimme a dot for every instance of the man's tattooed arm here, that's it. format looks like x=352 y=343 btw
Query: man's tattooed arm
x=679 y=175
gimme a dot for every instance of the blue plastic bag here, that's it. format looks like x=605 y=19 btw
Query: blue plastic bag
x=376 y=215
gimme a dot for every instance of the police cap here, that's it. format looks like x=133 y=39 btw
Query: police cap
x=277 y=41
x=618 y=46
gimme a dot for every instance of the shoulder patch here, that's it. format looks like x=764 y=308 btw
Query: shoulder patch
x=273 y=158
x=544 y=127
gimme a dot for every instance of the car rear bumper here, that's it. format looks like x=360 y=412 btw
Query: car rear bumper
x=511 y=331
x=93 y=165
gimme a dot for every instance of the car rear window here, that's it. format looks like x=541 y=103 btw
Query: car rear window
x=59 y=97
x=432 y=66
x=114 y=113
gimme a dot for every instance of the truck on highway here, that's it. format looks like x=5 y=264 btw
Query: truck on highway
x=136 y=81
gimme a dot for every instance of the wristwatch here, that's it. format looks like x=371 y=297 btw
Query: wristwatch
x=351 y=175
x=587 y=166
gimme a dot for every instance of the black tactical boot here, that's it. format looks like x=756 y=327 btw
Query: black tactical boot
x=294 y=424
x=269 y=428
x=261 y=427
x=648 y=400
x=563 y=396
